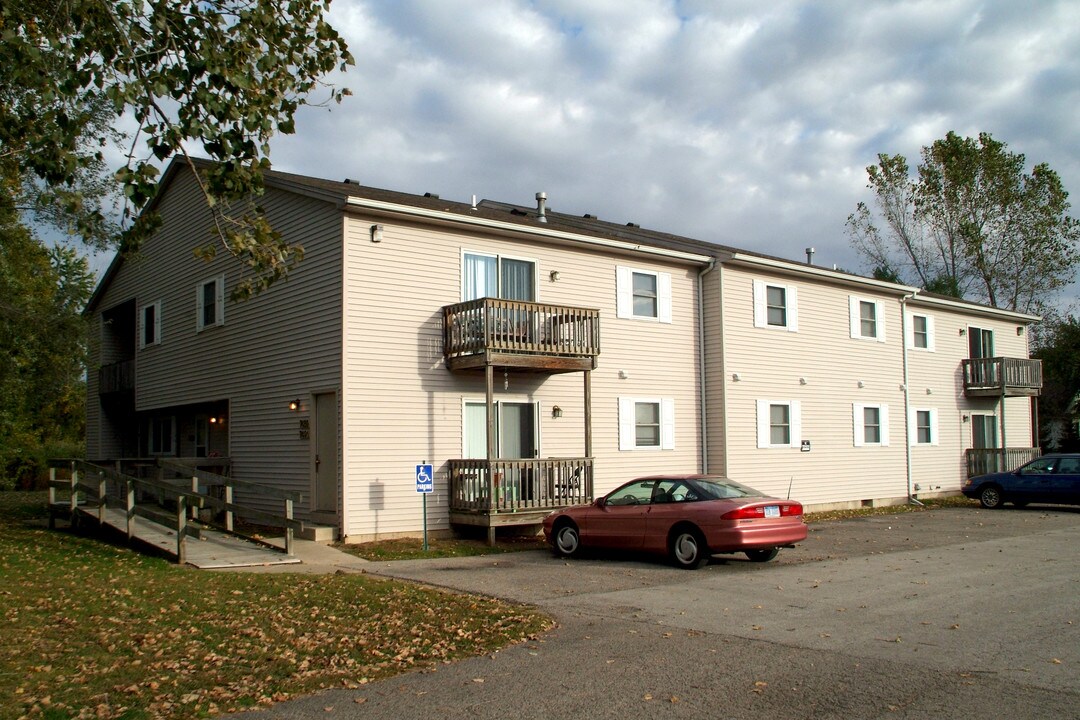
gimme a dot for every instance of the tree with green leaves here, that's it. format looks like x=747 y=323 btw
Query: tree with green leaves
x=1058 y=346
x=219 y=77
x=971 y=223
x=42 y=341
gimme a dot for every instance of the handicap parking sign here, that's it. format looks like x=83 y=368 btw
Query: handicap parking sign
x=425 y=479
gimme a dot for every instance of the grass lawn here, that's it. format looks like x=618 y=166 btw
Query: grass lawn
x=97 y=630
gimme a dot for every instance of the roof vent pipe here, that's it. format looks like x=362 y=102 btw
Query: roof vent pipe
x=810 y=256
x=541 y=201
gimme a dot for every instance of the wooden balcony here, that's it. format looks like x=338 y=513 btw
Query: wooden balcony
x=116 y=378
x=518 y=334
x=994 y=377
x=981 y=461
x=505 y=492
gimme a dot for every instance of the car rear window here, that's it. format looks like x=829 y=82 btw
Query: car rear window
x=722 y=489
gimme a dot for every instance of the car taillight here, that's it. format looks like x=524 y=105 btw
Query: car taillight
x=746 y=513
x=758 y=511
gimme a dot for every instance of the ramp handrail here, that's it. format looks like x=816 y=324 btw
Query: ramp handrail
x=85 y=494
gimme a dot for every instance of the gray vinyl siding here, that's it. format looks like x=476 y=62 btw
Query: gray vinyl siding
x=402 y=406
x=283 y=344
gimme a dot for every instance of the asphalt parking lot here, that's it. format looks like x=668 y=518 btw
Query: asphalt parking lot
x=955 y=613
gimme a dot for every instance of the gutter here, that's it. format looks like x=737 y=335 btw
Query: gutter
x=442 y=216
x=912 y=500
x=834 y=275
x=701 y=367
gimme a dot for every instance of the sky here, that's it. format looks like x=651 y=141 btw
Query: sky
x=745 y=123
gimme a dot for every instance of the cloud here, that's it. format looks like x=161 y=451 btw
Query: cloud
x=746 y=123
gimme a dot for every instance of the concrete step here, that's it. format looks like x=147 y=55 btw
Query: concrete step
x=318 y=533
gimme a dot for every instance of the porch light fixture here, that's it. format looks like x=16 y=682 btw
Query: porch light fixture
x=1019 y=330
x=802 y=381
x=554 y=275
x=963 y=331
x=376 y=233
x=556 y=411
x=861 y=384
x=736 y=377
x=294 y=405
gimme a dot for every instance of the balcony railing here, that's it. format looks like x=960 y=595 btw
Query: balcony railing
x=490 y=326
x=981 y=461
x=997 y=375
x=489 y=487
x=118 y=377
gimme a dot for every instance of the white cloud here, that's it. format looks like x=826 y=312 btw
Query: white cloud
x=743 y=122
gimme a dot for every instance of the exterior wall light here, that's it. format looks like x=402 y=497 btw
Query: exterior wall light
x=1019 y=330
x=963 y=331
x=554 y=275
x=294 y=405
x=556 y=411
x=376 y=233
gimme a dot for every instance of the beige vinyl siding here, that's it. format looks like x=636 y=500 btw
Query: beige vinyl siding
x=937 y=381
x=283 y=344
x=820 y=366
x=402 y=406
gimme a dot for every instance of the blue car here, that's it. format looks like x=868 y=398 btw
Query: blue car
x=1049 y=479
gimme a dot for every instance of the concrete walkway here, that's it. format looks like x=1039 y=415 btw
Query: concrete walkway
x=315 y=559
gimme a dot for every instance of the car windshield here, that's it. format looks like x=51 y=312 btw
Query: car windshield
x=722 y=489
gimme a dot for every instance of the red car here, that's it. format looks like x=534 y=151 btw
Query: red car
x=687 y=517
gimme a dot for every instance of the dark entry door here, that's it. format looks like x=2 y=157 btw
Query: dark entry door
x=326 y=453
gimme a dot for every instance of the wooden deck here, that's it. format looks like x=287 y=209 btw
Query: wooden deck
x=1002 y=376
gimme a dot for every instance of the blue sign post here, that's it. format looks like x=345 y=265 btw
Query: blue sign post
x=425 y=484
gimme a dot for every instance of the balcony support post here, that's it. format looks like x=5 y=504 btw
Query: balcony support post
x=489 y=380
x=588 y=413
x=1004 y=440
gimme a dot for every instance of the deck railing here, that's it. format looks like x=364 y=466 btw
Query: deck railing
x=999 y=374
x=506 y=486
x=116 y=377
x=491 y=324
x=981 y=461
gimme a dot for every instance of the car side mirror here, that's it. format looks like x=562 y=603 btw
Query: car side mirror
x=600 y=502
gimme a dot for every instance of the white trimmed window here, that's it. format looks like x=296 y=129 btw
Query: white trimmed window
x=779 y=423
x=871 y=424
x=776 y=306
x=867 y=318
x=643 y=294
x=210 y=303
x=923 y=426
x=150 y=324
x=920 y=332
x=646 y=423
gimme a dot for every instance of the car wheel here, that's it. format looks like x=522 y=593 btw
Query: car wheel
x=762 y=555
x=567 y=540
x=688 y=549
x=990 y=497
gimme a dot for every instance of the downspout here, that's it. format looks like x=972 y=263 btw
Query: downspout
x=701 y=366
x=907 y=400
